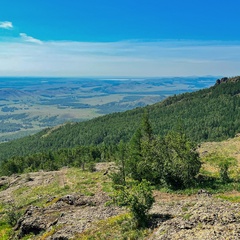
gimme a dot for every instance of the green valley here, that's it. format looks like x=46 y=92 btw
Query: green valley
x=167 y=170
x=208 y=114
x=28 y=105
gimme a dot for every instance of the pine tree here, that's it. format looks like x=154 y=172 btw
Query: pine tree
x=146 y=127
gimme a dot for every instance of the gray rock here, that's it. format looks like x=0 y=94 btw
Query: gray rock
x=204 y=218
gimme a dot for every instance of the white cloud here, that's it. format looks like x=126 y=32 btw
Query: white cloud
x=30 y=39
x=6 y=25
x=129 y=58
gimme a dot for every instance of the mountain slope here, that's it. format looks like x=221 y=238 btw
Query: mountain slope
x=208 y=114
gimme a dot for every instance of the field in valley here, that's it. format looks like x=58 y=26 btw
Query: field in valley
x=28 y=105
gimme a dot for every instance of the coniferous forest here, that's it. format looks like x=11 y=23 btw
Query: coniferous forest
x=152 y=149
x=210 y=114
x=167 y=130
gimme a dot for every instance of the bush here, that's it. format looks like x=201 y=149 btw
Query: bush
x=182 y=162
x=138 y=198
x=223 y=163
x=12 y=215
x=91 y=167
x=117 y=179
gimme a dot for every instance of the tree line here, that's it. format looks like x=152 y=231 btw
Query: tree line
x=171 y=160
x=210 y=114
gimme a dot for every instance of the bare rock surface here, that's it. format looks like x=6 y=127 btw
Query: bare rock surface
x=15 y=182
x=201 y=217
x=71 y=214
x=174 y=216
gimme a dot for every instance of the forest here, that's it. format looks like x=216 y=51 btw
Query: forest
x=150 y=143
x=145 y=156
x=155 y=148
x=211 y=114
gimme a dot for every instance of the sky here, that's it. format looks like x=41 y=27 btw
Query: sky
x=120 y=38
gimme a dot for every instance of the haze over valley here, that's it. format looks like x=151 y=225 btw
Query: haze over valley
x=119 y=120
x=30 y=104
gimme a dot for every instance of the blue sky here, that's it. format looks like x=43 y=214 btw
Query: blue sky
x=143 y=38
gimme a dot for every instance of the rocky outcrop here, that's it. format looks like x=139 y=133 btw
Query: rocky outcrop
x=203 y=217
x=34 y=222
x=225 y=79
x=174 y=216
x=222 y=80
x=71 y=214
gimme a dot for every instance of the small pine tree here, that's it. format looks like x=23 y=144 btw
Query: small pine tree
x=138 y=198
x=223 y=163
x=135 y=155
x=146 y=127
x=182 y=162
x=145 y=158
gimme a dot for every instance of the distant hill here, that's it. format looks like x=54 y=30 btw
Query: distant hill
x=209 y=114
x=15 y=94
x=29 y=105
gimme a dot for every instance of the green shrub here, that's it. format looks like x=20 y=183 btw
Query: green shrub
x=138 y=198
x=182 y=162
x=13 y=214
x=223 y=163
x=91 y=167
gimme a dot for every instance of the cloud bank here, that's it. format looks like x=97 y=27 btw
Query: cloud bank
x=27 y=56
x=30 y=39
x=6 y=25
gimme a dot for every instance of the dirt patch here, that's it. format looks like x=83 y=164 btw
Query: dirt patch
x=168 y=197
x=173 y=216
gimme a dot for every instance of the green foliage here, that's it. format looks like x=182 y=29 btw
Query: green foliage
x=223 y=163
x=146 y=127
x=6 y=231
x=182 y=162
x=117 y=178
x=13 y=215
x=145 y=158
x=134 y=157
x=119 y=227
x=49 y=161
x=138 y=198
x=172 y=159
x=208 y=114
x=121 y=156
x=91 y=166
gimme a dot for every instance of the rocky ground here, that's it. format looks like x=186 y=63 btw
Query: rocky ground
x=71 y=214
x=201 y=216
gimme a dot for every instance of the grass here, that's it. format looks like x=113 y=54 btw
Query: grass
x=3 y=187
x=107 y=187
x=187 y=216
x=230 y=147
x=5 y=230
x=233 y=196
x=48 y=234
x=75 y=181
x=213 y=187
x=210 y=173
x=235 y=199
x=120 y=227
x=69 y=181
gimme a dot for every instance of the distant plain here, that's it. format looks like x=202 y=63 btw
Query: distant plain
x=28 y=105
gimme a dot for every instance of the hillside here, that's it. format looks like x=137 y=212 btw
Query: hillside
x=29 y=105
x=72 y=204
x=209 y=114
